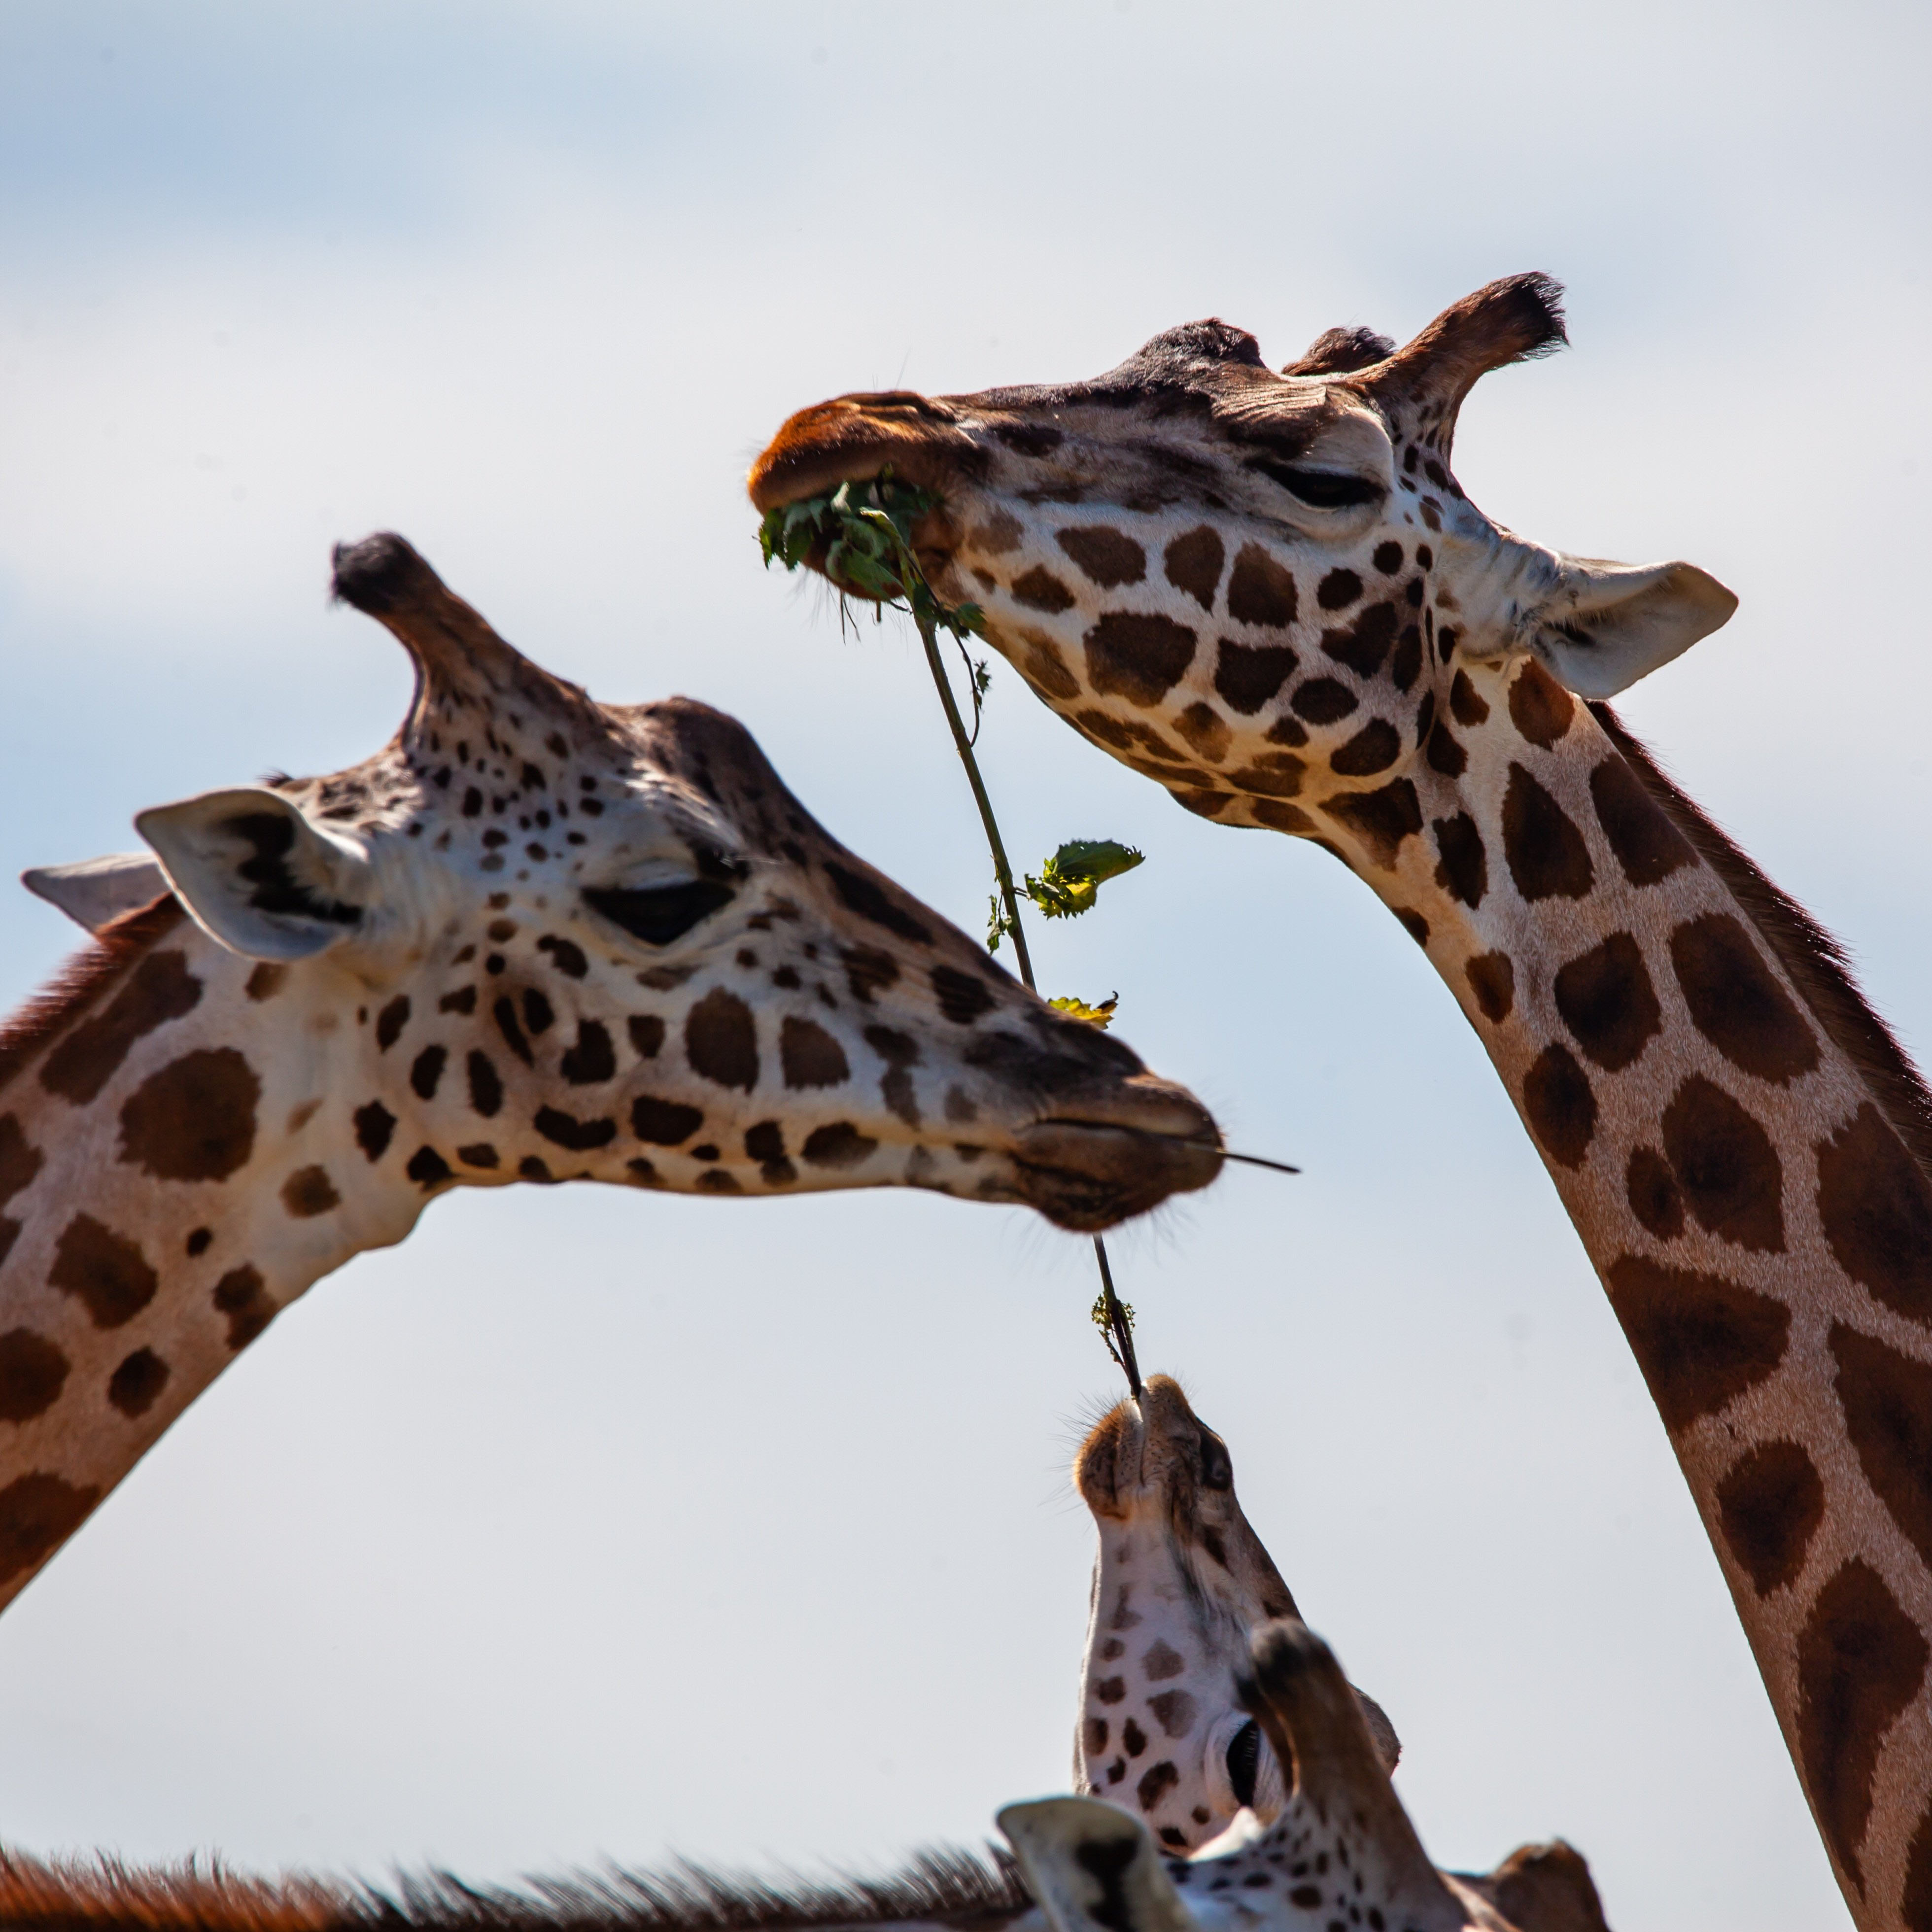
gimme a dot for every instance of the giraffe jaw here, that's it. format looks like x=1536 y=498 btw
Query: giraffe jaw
x=1086 y=1176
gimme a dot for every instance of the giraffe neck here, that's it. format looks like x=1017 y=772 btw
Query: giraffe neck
x=1736 y=1138
x=175 y=1167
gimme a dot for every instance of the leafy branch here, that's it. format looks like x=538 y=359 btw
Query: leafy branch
x=861 y=536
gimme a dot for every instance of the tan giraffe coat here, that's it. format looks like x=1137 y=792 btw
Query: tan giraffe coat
x=535 y=938
x=1268 y=592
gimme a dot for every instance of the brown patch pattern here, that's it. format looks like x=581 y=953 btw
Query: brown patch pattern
x=1608 y=1003
x=1769 y=1505
x=194 y=1119
x=1732 y=1181
x=108 y=1272
x=1560 y=1105
x=159 y=989
x=1873 y=1203
x=1547 y=856
x=1700 y=1340
x=33 y=1372
x=1138 y=656
x=1887 y=1398
x=1736 y=1002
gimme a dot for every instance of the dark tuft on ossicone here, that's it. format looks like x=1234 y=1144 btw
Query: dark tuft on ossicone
x=1338 y=352
x=379 y=574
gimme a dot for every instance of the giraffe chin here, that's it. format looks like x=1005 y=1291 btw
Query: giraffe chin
x=1086 y=1177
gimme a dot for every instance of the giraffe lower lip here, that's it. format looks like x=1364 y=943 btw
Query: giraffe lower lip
x=1087 y=1175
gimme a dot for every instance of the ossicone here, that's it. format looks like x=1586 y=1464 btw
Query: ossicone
x=1422 y=384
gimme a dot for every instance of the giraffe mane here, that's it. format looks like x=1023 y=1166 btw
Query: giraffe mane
x=1815 y=962
x=82 y=981
x=960 y=1889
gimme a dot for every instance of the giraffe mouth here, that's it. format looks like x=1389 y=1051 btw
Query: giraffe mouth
x=1087 y=1175
x=851 y=438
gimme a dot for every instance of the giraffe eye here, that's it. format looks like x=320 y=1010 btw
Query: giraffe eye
x=1244 y=1761
x=1217 y=1470
x=658 y=914
x=1321 y=489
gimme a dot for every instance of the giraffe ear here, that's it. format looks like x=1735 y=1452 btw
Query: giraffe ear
x=1603 y=625
x=94 y=892
x=256 y=875
x=1093 y=1868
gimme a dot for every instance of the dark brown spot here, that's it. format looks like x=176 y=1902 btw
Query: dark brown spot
x=1247 y=679
x=838 y=1145
x=38 y=1513
x=133 y=1386
x=1388 y=558
x=647 y=1032
x=1492 y=978
x=1608 y=1003
x=1364 y=644
x=1414 y=924
x=1769 y=1505
x=1373 y=749
x=1547 y=857
x=1873 y=1204
x=1322 y=700
x=721 y=1040
x=810 y=1056
x=1133 y=1739
x=1732 y=1179
x=1045 y=668
x=1174 y=1711
x=486 y=1084
x=427 y=1071
x=1261 y=591
x=1700 y=1340
x=1539 y=706
x=963 y=997
x=390 y=1021
x=19 y=1159
x=1094 y=1733
x=109 y=1273
x=1039 y=589
x=1105 y=556
x=1155 y=1782
x=159 y=989
x=32 y=1373
x=1735 y=1000
x=478 y=1153
x=1651 y=1189
x=1561 y=1105
x=194 y=1119
x=1380 y=819
x=867 y=971
x=1467 y=705
x=1338 y=590
x=200 y=1241
x=1163 y=1661
x=309 y=1191
x=1206 y=730
x=1861 y=1662
x=568 y=1131
x=664 y=1123
x=1445 y=753
x=566 y=955
x=427 y=1168
x=463 y=1000
x=1463 y=870
x=241 y=1295
x=1405 y=666
x=593 y=1058
x=1139 y=657
x=1281 y=817
x=1273 y=774
x=264 y=983
x=1193 y=562
x=870 y=900
x=1111 y=1690
x=1887 y=1398
x=1647 y=846
x=374 y=1126
x=539 y=1015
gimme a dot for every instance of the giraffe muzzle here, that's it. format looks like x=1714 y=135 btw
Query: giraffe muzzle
x=1086 y=1168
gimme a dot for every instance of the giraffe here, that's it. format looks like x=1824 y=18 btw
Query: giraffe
x=1268 y=592
x=1180 y=1579
x=535 y=938
x=1342 y=1851
x=1181 y=1583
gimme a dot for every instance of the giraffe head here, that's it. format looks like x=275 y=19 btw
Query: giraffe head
x=1180 y=1582
x=1256 y=588
x=583 y=941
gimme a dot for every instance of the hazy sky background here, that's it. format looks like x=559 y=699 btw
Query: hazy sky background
x=586 y=1523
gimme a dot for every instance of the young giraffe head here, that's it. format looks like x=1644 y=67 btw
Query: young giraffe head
x=1180 y=1582
x=1257 y=589
x=535 y=938
x=1341 y=1855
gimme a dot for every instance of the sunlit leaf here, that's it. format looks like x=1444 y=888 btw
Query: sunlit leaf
x=1101 y=1016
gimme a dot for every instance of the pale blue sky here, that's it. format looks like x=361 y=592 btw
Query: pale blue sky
x=586 y=1524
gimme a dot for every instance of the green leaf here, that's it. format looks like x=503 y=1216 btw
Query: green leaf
x=1102 y=1016
x=1069 y=881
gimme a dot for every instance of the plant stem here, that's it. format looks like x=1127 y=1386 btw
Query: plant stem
x=1119 y=1330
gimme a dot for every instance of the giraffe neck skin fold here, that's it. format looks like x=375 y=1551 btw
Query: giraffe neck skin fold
x=1751 y=1209
x=134 y=1271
